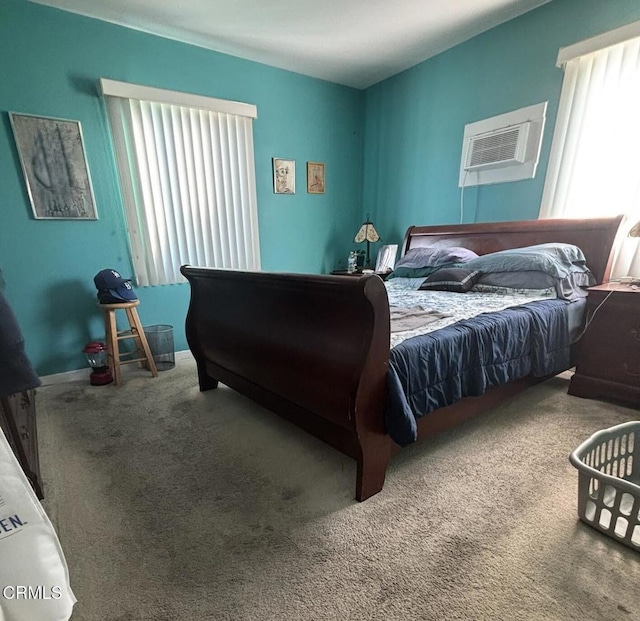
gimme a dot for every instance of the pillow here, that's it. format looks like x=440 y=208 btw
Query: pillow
x=412 y=272
x=435 y=257
x=526 y=279
x=556 y=259
x=420 y=262
x=574 y=285
x=569 y=288
x=456 y=279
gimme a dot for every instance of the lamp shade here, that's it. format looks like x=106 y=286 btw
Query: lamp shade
x=367 y=232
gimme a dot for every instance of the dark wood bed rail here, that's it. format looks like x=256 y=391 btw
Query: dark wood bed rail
x=315 y=349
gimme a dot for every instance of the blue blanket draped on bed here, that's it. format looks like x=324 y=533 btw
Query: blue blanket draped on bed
x=465 y=359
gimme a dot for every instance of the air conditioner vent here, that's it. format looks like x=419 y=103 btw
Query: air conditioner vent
x=502 y=147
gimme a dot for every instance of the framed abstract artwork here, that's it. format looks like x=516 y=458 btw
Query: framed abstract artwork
x=315 y=178
x=54 y=166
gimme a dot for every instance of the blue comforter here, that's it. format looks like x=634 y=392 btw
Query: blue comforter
x=465 y=359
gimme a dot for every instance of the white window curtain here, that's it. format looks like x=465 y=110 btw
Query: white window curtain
x=187 y=173
x=594 y=166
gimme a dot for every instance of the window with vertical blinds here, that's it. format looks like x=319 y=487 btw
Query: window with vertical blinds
x=595 y=154
x=187 y=173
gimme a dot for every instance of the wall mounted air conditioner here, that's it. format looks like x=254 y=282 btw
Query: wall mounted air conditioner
x=503 y=148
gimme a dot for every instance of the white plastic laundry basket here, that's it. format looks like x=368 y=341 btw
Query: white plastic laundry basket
x=609 y=482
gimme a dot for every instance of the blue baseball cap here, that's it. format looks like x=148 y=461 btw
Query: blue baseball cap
x=113 y=287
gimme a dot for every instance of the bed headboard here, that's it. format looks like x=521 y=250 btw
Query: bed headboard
x=594 y=236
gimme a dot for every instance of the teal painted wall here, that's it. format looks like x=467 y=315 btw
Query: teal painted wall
x=392 y=150
x=415 y=120
x=51 y=62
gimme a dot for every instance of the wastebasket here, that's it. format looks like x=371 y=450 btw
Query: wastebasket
x=160 y=339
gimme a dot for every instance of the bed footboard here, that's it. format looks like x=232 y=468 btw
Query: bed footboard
x=313 y=349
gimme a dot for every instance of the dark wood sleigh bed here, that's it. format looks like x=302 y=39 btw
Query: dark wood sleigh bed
x=315 y=348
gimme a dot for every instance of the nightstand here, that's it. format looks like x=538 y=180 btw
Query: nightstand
x=608 y=364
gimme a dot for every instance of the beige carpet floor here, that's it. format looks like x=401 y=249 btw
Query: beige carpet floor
x=173 y=504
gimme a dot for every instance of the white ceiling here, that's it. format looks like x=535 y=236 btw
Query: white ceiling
x=351 y=42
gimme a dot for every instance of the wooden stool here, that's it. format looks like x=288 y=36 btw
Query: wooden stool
x=113 y=337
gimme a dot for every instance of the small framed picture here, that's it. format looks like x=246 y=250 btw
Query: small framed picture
x=386 y=258
x=315 y=178
x=284 y=176
x=55 y=168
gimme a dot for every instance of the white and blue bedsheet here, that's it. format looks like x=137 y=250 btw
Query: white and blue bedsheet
x=403 y=293
x=467 y=356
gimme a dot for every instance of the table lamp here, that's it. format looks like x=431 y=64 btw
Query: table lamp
x=369 y=234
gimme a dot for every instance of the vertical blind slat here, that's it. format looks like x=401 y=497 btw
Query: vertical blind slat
x=182 y=185
x=162 y=194
x=145 y=197
x=216 y=224
x=207 y=206
x=173 y=194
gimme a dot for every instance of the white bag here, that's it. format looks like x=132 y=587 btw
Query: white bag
x=34 y=579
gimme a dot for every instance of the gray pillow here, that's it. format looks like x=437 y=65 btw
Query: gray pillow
x=435 y=257
x=527 y=279
x=557 y=260
x=573 y=286
x=412 y=272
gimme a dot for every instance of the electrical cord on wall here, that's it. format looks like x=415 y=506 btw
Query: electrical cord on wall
x=464 y=182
